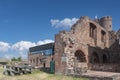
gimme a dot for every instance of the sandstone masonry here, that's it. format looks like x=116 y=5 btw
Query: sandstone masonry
x=90 y=44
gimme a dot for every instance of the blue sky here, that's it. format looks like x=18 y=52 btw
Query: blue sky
x=30 y=22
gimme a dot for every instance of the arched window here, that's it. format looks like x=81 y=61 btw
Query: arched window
x=80 y=56
x=93 y=31
x=95 y=58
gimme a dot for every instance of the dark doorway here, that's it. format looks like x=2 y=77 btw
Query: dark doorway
x=95 y=58
x=104 y=58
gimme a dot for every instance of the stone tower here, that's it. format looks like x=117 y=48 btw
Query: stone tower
x=106 y=22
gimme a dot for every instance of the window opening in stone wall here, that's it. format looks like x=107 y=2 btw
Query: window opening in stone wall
x=119 y=39
x=80 y=56
x=33 y=60
x=40 y=60
x=103 y=34
x=30 y=61
x=93 y=31
x=37 y=61
x=95 y=58
x=110 y=26
x=44 y=65
x=104 y=58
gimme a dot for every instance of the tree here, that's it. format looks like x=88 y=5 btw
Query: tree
x=13 y=59
x=16 y=59
x=19 y=59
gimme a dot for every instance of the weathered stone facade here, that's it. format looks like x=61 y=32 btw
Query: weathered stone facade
x=88 y=44
x=36 y=60
x=40 y=56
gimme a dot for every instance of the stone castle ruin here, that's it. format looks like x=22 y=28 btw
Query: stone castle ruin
x=89 y=45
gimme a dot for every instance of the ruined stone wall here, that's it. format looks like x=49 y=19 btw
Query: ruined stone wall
x=78 y=38
x=36 y=60
x=114 y=49
x=67 y=43
x=32 y=59
x=114 y=56
x=99 y=55
x=82 y=33
x=59 y=51
x=105 y=67
x=112 y=39
x=118 y=36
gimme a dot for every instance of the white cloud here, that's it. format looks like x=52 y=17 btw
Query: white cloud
x=19 y=48
x=44 y=42
x=8 y=56
x=4 y=46
x=23 y=45
x=65 y=23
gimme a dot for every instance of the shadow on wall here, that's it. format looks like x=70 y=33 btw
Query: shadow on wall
x=107 y=59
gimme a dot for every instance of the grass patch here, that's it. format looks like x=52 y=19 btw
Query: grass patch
x=38 y=75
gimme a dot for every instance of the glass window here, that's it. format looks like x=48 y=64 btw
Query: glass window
x=44 y=52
